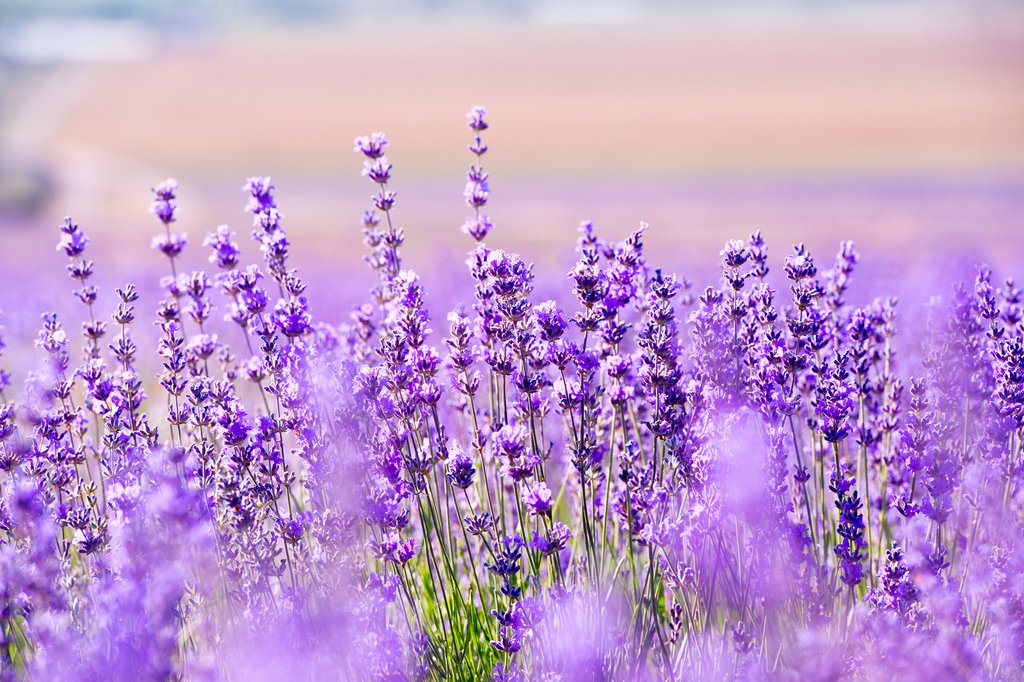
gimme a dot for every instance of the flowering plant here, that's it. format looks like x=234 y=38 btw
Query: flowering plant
x=635 y=481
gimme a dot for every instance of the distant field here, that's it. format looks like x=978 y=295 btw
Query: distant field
x=622 y=99
x=907 y=137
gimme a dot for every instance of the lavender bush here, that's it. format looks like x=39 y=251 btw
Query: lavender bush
x=638 y=480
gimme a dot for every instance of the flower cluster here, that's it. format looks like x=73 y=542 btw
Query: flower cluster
x=630 y=480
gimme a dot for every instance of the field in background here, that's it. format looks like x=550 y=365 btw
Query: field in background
x=906 y=135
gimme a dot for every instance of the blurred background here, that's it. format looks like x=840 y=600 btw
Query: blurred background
x=898 y=124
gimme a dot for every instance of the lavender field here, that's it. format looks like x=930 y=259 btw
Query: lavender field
x=714 y=371
x=640 y=478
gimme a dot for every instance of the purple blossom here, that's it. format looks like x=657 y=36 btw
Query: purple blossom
x=850 y=549
x=261 y=195
x=225 y=252
x=478 y=227
x=170 y=245
x=476 y=119
x=165 y=204
x=393 y=549
x=72 y=240
x=291 y=316
x=555 y=540
x=460 y=470
x=371 y=146
x=538 y=498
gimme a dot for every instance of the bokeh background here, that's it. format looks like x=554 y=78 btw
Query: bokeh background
x=898 y=124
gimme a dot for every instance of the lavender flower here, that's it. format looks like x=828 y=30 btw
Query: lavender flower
x=460 y=470
x=623 y=480
x=225 y=252
x=165 y=203
x=538 y=498
x=477 y=190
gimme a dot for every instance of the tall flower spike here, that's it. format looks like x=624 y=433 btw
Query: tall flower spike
x=478 y=188
x=73 y=242
x=165 y=208
x=268 y=231
x=384 y=245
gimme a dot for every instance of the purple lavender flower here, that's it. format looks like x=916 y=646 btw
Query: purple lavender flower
x=393 y=549
x=551 y=324
x=291 y=316
x=554 y=541
x=371 y=146
x=479 y=524
x=165 y=204
x=833 y=403
x=261 y=195
x=225 y=252
x=171 y=245
x=72 y=240
x=476 y=119
x=477 y=190
x=897 y=592
x=850 y=550
x=460 y=470
x=478 y=227
x=538 y=498
x=377 y=169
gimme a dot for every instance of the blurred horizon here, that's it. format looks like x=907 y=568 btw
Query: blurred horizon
x=897 y=124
